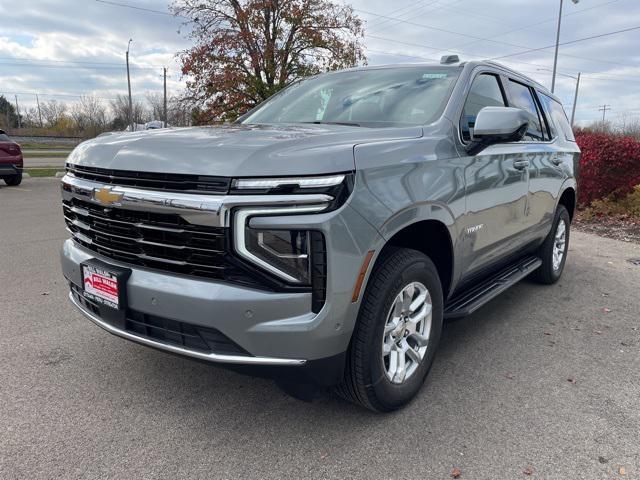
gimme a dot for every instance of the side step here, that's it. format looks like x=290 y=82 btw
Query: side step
x=471 y=300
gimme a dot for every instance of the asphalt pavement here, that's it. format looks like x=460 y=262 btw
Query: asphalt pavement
x=542 y=381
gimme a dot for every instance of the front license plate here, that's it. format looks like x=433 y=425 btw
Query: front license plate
x=102 y=286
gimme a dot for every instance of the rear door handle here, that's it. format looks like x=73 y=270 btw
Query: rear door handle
x=520 y=164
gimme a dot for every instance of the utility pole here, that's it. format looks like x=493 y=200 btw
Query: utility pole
x=18 y=112
x=129 y=85
x=604 y=109
x=575 y=100
x=39 y=113
x=165 y=97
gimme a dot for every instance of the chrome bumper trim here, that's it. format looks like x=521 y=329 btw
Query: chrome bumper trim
x=211 y=210
x=211 y=357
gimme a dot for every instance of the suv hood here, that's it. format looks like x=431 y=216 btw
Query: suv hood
x=235 y=150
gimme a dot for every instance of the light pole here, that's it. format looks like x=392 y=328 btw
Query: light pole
x=129 y=85
x=555 y=57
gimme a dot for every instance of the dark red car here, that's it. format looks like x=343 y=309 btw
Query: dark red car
x=10 y=160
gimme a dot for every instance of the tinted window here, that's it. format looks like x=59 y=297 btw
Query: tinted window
x=485 y=92
x=523 y=99
x=4 y=138
x=558 y=116
x=375 y=97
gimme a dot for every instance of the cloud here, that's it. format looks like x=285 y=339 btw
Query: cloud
x=49 y=33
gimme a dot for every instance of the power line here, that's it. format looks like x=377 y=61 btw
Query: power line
x=439 y=49
x=87 y=67
x=142 y=9
x=377 y=22
x=431 y=27
x=80 y=62
x=570 y=42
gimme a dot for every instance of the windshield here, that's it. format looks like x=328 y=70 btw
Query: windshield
x=376 y=97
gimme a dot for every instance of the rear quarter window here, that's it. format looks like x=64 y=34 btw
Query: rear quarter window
x=558 y=116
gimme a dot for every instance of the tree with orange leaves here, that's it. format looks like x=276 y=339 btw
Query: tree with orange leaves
x=247 y=50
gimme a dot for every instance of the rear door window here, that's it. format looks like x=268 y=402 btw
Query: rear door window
x=486 y=91
x=522 y=97
x=558 y=116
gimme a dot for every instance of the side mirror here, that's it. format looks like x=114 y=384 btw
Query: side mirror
x=497 y=125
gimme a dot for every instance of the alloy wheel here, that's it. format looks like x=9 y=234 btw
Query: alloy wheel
x=559 y=244
x=406 y=332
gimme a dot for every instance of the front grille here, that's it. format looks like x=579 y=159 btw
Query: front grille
x=167 y=331
x=153 y=181
x=154 y=240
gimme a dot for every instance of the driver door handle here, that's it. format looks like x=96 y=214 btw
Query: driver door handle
x=520 y=164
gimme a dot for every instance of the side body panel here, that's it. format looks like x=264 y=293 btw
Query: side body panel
x=400 y=183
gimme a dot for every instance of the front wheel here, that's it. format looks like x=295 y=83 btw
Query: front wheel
x=397 y=332
x=553 y=252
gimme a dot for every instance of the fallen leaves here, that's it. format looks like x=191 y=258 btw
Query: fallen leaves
x=528 y=471
x=456 y=473
x=622 y=471
x=571 y=380
x=606 y=310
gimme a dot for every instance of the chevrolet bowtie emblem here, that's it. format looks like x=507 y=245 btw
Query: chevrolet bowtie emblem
x=105 y=196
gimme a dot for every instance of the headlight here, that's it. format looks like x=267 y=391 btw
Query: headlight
x=288 y=251
x=287 y=254
x=339 y=186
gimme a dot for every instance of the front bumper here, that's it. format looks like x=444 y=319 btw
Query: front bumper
x=211 y=357
x=272 y=328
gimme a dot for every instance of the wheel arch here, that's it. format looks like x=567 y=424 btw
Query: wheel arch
x=568 y=198
x=431 y=237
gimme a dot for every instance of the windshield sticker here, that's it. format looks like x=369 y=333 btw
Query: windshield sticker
x=434 y=75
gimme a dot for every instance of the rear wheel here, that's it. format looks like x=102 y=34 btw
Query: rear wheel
x=14 y=180
x=553 y=252
x=397 y=332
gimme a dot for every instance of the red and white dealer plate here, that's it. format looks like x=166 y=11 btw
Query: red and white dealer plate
x=101 y=286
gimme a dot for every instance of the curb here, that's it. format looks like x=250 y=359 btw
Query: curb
x=25 y=175
x=60 y=174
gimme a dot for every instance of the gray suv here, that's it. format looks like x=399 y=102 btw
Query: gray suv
x=323 y=238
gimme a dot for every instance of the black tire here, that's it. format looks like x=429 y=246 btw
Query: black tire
x=547 y=274
x=14 y=180
x=365 y=381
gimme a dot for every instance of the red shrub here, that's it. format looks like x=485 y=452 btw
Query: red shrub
x=609 y=165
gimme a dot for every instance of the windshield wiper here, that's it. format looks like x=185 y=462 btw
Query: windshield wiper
x=348 y=124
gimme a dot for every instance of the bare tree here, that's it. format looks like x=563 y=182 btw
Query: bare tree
x=53 y=112
x=89 y=115
x=120 y=111
x=156 y=104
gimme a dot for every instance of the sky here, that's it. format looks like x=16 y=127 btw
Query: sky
x=62 y=49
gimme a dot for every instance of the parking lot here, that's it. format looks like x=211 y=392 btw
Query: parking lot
x=542 y=381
